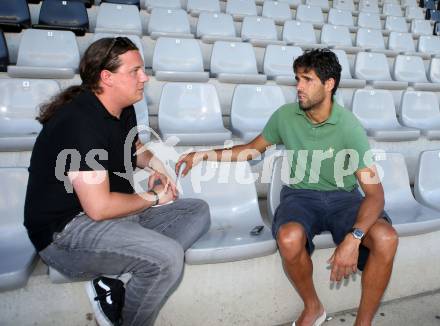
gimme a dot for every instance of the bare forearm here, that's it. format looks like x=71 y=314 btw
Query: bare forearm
x=369 y=211
x=236 y=153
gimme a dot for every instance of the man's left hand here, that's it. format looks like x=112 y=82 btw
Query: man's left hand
x=344 y=260
x=164 y=180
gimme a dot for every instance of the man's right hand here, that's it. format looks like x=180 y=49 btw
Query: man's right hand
x=165 y=193
x=190 y=160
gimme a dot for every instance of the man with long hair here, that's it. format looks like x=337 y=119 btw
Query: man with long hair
x=99 y=226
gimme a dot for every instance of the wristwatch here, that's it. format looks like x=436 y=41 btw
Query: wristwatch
x=155 y=195
x=357 y=233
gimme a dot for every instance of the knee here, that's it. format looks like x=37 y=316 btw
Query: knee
x=171 y=261
x=384 y=241
x=291 y=239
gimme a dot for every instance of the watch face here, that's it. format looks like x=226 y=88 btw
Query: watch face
x=358 y=233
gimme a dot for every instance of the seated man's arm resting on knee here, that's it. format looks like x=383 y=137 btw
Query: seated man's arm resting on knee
x=344 y=259
x=243 y=152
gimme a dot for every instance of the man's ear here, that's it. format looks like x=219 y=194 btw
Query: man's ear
x=106 y=77
x=329 y=84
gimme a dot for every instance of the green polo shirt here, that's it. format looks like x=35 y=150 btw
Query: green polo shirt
x=322 y=156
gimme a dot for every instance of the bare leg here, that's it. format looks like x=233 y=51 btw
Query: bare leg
x=291 y=240
x=382 y=241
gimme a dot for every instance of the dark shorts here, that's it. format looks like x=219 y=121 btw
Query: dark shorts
x=319 y=211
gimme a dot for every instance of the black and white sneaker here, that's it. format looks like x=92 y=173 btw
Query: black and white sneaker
x=107 y=298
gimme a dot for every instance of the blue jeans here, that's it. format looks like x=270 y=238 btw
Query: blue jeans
x=149 y=245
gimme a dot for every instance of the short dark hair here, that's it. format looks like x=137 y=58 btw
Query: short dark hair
x=324 y=62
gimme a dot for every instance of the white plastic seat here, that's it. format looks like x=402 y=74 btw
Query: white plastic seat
x=414 y=13
x=336 y=36
x=427 y=181
x=401 y=42
x=17 y=253
x=323 y=4
x=195 y=7
x=300 y=33
x=235 y=62
x=376 y=112
x=421 y=110
x=142 y=119
x=241 y=8
x=252 y=106
x=169 y=22
x=391 y=9
x=369 y=20
x=340 y=17
x=276 y=10
x=434 y=70
x=19 y=102
x=278 y=63
x=311 y=14
x=346 y=77
x=46 y=54
x=429 y=44
x=421 y=27
x=396 y=24
x=292 y=3
x=234 y=213
x=411 y=69
x=260 y=31
x=409 y=3
x=168 y=4
x=371 y=39
x=191 y=112
x=368 y=6
x=213 y=27
x=134 y=38
x=177 y=59
x=344 y=5
x=118 y=18
x=408 y=216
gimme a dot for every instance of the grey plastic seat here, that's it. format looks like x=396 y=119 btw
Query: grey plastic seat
x=370 y=39
x=235 y=62
x=46 y=54
x=259 y=31
x=300 y=33
x=434 y=70
x=391 y=9
x=409 y=3
x=134 y=38
x=20 y=100
x=421 y=27
x=429 y=44
x=396 y=24
x=292 y=3
x=143 y=122
x=276 y=10
x=213 y=27
x=16 y=251
x=344 y=5
x=118 y=18
x=228 y=238
x=338 y=37
x=252 y=106
x=191 y=112
x=421 y=110
x=176 y=59
x=278 y=63
x=401 y=42
x=376 y=112
x=311 y=14
x=369 y=20
x=346 y=77
x=170 y=23
x=195 y=7
x=414 y=13
x=168 y=4
x=340 y=17
x=411 y=69
x=427 y=182
x=408 y=216
x=280 y=177
x=368 y=6
x=241 y=8
x=323 y=4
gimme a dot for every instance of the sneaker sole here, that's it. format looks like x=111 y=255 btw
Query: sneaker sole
x=100 y=317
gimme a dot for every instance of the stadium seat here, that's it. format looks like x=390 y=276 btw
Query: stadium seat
x=370 y=39
x=408 y=216
x=414 y=13
x=396 y=24
x=169 y=23
x=421 y=110
x=411 y=69
x=337 y=37
x=436 y=30
x=391 y=9
x=376 y=112
x=278 y=63
x=46 y=54
x=134 y=38
x=14 y=15
x=432 y=14
x=118 y=18
x=63 y=15
x=369 y=20
x=340 y=17
x=344 y=5
x=251 y=108
x=20 y=100
x=276 y=10
x=178 y=60
x=213 y=27
x=346 y=77
x=427 y=181
x=168 y=4
x=142 y=119
x=241 y=8
x=292 y=3
x=191 y=112
x=311 y=14
x=124 y=2
x=421 y=27
x=429 y=44
x=323 y=4
x=428 y=4
x=300 y=33
x=4 y=53
x=229 y=237
x=259 y=31
x=409 y=3
x=195 y=7
x=401 y=42
x=368 y=6
x=235 y=63
x=16 y=251
x=434 y=70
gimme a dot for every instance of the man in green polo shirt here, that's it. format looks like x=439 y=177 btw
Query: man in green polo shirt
x=329 y=153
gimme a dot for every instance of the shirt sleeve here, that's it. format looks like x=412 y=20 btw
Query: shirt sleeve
x=271 y=130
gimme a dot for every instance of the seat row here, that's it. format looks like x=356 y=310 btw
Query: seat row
x=229 y=237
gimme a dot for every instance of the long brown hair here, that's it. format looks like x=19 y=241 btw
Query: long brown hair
x=100 y=55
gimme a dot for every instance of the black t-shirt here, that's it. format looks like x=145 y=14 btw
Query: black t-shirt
x=83 y=136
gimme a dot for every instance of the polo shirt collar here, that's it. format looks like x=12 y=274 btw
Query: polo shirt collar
x=89 y=98
x=334 y=115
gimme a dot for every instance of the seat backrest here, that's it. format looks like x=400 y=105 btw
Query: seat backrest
x=414 y=13
x=370 y=38
x=168 y=20
x=420 y=110
x=134 y=38
x=396 y=24
x=374 y=108
x=421 y=26
x=279 y=11
x=371 y=66
x=307 y=13
x=301 y=32
x=340 y=17
x=336 y=35
x=409 y=3
x=429 y=44
x=14 y=15
x=278 y=60
x=13 y=182
x=343 y=61
x=255 y=27
x=168 y=4
x=125 y=2
x=241 y=8
x=344 y=5
x=432 y=14
x=20 y=100
x=118 y=18
x=280 y=176
x=401 y=42
x=437 y=29
x=391 y=9
x=368 y=6
x=323 y=4
x=215 y=24
x=369 y=20
x=142 y=119
x=427 y=180
x=409 y=69
x=189 y=106
x=233 y=57
x=4 y=53
x=434 y=70
x=198 y=6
